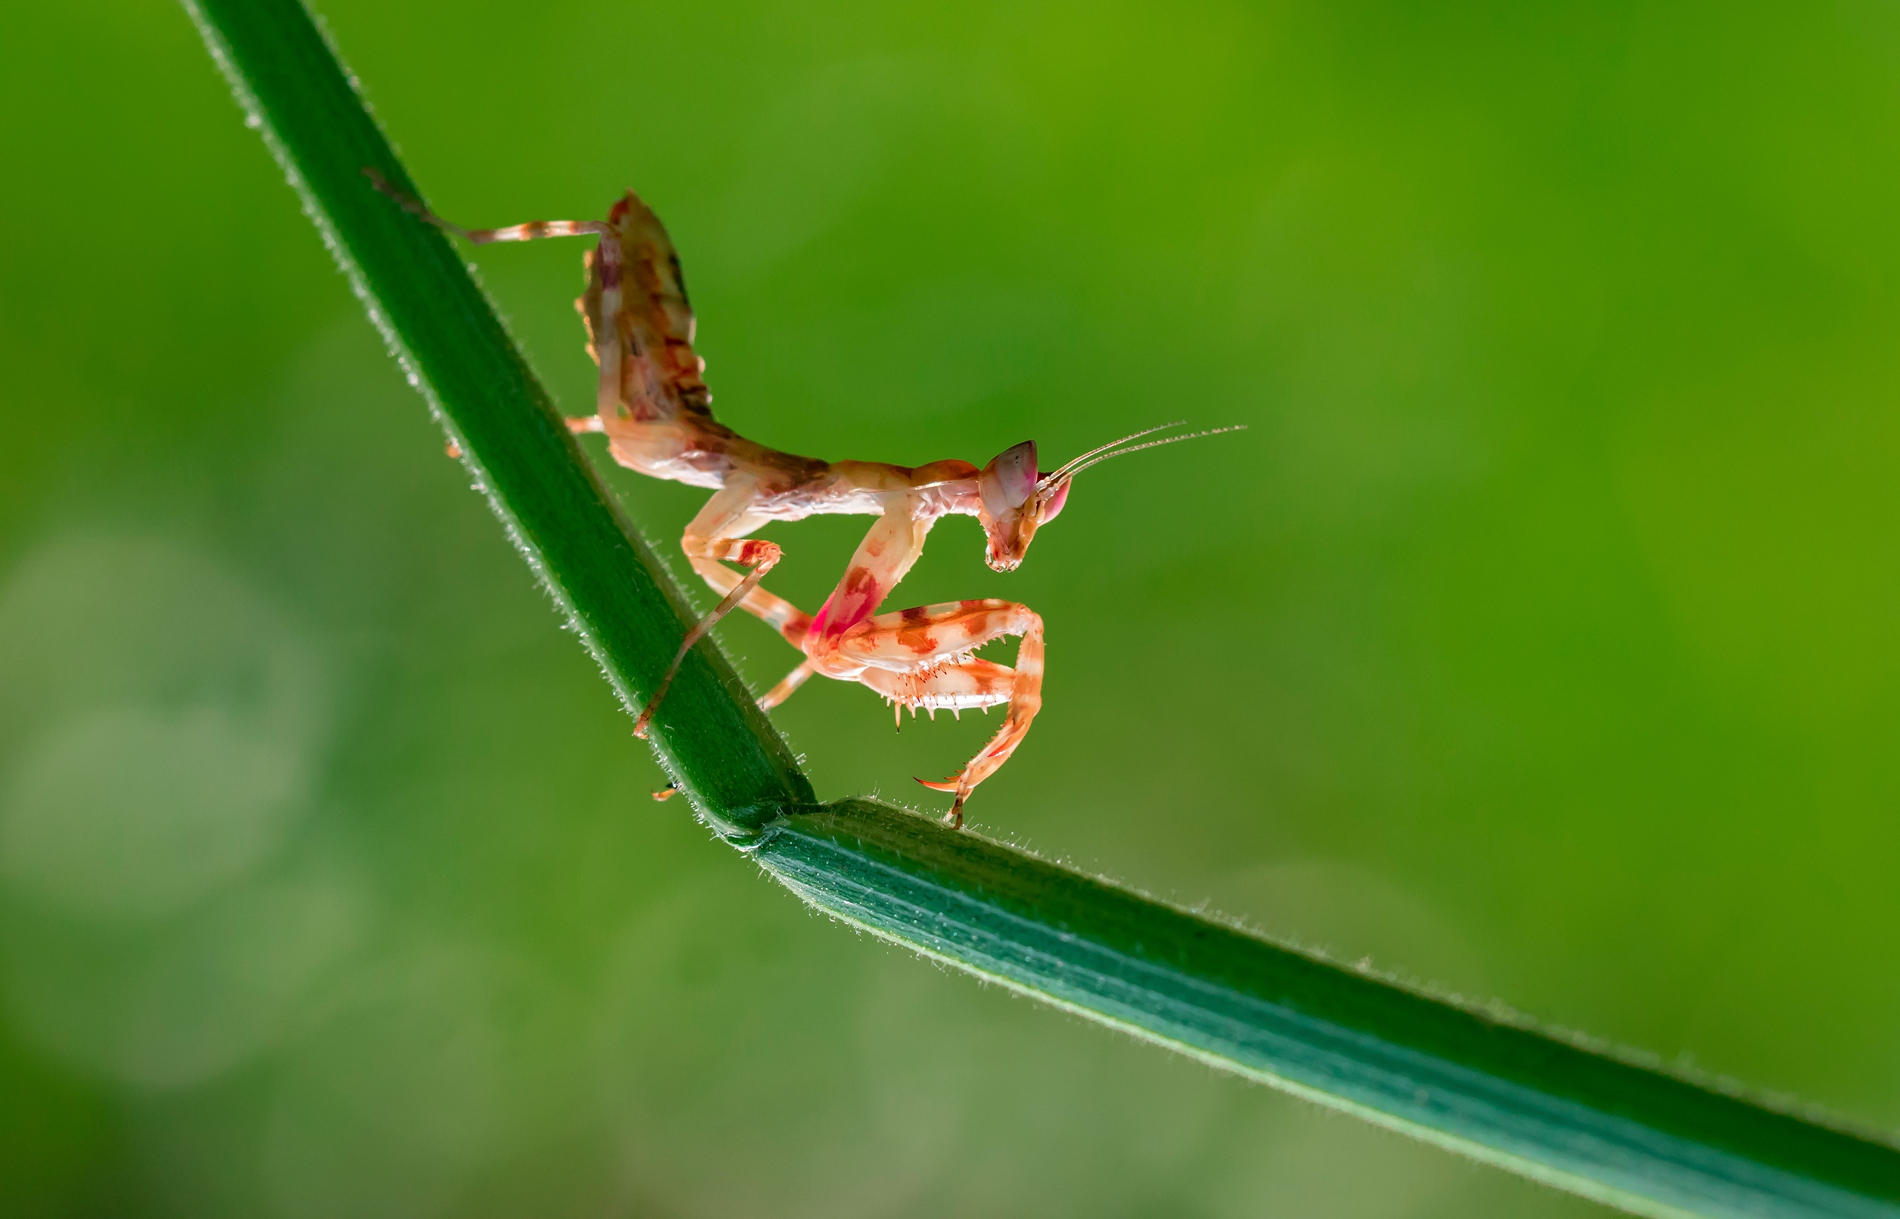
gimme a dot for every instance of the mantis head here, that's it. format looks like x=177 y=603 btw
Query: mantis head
x=1014 y=504
x=1016 y=498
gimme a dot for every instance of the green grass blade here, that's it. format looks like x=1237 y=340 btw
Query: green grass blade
x=1634 y=1137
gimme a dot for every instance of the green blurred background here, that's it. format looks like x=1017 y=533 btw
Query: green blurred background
x=1537 y=642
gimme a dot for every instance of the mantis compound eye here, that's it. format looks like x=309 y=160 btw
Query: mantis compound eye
x=1007 y=482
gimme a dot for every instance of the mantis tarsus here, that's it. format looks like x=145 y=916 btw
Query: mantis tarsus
x=654 y=408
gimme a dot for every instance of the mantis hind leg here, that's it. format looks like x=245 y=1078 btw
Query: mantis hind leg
x=606 y=263
x=534 y=230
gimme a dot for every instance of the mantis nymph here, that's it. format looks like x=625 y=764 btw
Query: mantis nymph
x=654 y=408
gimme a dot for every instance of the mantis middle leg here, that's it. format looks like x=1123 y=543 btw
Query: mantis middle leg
x=784 y=617
x=716 y=535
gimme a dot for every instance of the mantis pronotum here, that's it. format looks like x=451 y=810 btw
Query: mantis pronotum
x=654 y=408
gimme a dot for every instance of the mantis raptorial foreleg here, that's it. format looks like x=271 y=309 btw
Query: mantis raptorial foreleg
x=887 y=553
x=920 y=658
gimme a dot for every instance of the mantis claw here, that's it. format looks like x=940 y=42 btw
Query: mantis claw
x=955 y=783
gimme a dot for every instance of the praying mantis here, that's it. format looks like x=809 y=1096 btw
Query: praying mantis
x=653 y=406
